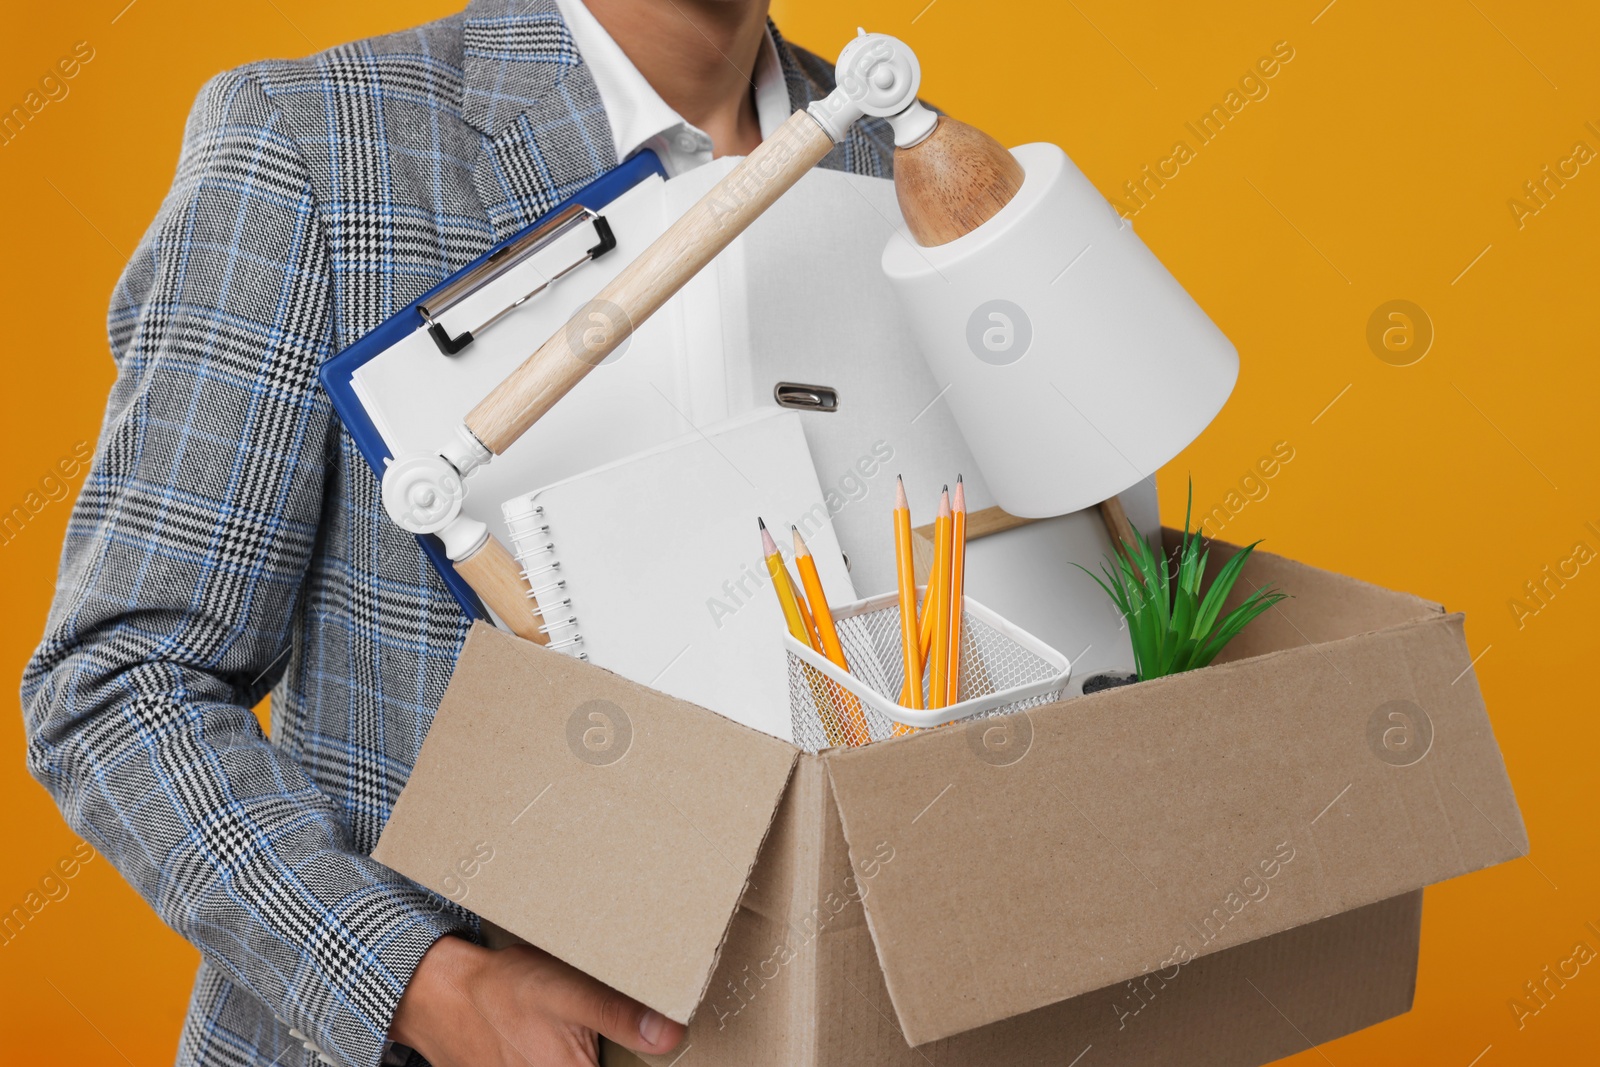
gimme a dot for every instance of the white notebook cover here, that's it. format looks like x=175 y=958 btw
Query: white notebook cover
x=661 y=560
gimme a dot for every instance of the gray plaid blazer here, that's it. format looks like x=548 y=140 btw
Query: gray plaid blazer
x=229 y=539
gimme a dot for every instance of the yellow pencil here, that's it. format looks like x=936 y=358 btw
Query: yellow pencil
x=939 y=673
x=958 y=567
x=783 y=585
x=930 y=599
x=909 y=646
x=930 y=608
x=806 y=618
x=797 y=617
x=812 y=582
x=849 y=707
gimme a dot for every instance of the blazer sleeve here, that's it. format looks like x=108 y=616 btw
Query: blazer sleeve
x=183 y=563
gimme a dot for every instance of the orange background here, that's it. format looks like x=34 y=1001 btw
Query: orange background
x=1378 y=167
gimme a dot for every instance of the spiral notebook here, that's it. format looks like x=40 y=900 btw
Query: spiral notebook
x=651 y=566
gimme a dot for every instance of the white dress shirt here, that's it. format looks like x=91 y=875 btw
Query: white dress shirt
x=640 y=118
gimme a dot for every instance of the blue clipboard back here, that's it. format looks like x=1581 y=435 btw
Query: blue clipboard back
x=338 y=372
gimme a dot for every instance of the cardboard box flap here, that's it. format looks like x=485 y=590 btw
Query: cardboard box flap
x=1044 y=855
x=575 y=809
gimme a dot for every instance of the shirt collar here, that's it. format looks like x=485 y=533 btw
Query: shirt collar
x=639 y=118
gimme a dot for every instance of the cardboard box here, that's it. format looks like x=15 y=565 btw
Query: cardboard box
x=1221 y=867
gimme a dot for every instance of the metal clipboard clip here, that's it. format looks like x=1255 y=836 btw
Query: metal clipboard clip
x=517 y=272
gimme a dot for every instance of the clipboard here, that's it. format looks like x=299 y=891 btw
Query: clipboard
x=453 y=314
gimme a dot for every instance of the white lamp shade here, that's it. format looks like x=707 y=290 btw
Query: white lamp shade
x=1076 y=365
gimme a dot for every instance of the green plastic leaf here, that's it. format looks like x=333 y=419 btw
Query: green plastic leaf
x=1172 y=625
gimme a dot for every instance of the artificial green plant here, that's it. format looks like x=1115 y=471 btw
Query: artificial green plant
x=1173 y=627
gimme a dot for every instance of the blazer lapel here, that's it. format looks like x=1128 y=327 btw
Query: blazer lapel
x=526 y=89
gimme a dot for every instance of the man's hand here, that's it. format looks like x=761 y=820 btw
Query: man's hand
x=468 y=1006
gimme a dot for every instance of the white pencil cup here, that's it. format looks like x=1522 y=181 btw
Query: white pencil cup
x=1075 y=363
x=1003 y=669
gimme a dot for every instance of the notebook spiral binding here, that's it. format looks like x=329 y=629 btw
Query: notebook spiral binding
x=541 y=570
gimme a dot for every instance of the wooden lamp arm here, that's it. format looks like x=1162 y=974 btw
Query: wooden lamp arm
x=494 y=575
x=691 y=242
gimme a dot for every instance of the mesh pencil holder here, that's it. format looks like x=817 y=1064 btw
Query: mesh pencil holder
x=1003 y=669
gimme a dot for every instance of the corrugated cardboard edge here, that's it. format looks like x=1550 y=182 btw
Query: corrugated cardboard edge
x=1517 y=837
x=763 y=1003
x=727 y=927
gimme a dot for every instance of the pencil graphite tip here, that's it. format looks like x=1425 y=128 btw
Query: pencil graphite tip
x=900 y=501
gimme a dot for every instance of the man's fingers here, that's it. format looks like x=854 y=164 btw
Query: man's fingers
x=622 y=1019
x=632 y=1025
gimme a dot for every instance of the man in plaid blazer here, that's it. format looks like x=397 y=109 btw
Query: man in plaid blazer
x=230 y=540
